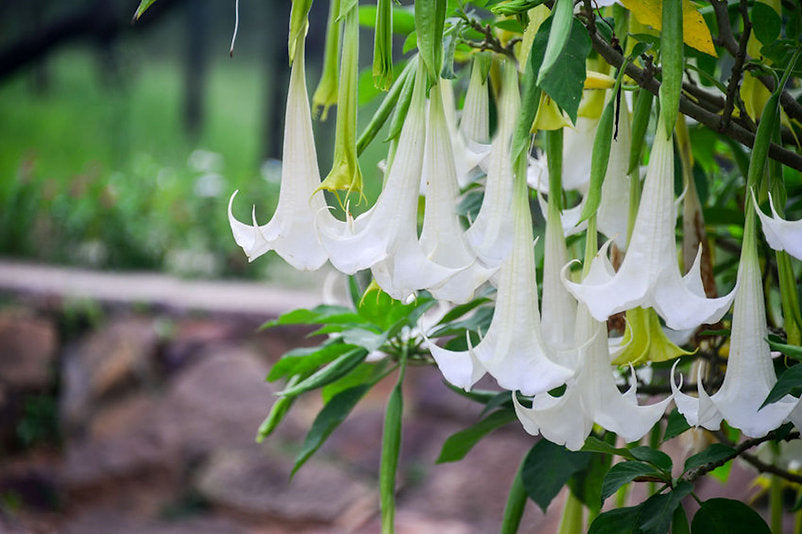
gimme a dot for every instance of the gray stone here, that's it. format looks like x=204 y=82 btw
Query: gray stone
x=27 y=351
x=257 y=483
x=219 y=402
x=102 y=364
x=122 y=441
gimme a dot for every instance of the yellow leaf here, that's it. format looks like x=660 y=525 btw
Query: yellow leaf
x=695 y=32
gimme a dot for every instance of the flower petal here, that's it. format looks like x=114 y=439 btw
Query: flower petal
x=781 y=234
x=290 y=232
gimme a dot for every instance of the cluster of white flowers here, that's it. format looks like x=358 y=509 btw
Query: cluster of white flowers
x=522 y=350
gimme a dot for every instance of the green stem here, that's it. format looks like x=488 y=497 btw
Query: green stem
x=516 y=502
x=391 y=447
x=573 y=516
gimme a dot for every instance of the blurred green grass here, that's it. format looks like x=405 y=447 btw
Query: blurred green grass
x=99 y=173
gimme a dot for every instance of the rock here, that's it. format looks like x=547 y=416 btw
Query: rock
x=257 y=483
x=219 y=402
x=411 y=522
x=122 y=441
x=101 y=520
x=106 y=361
x=27 y=351
x=475 y=488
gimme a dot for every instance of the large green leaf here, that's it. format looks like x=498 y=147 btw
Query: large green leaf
x=564 y=84
x=766 y=23
x=790 y=382
x=327 y=420
x=303 y=361
x=459 y=444
x=318 y=315
x=727 y=516
x=624 y=473
x=676 y=425
x=653 y=516
x=716 y=452
x=547 y=468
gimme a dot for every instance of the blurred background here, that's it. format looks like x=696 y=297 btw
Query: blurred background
x=121 y=142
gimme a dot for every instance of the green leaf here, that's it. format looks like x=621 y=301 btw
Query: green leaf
x=306 y=360
x=766 y=23
x=679 y=522
x=565 y=84
x=586 y=485
x=143 y=6
x=459 y=444
x=318 y=315
x=653 y=516
x=366 y=339
x=672 y=54
x=657 y=458
x=658 y=510
x=594 y=444
x=676 y=425
x=327 y=420
x=790 y=382
x=547 y=468
x=391 y=448
x=277 y=413
x=562 y=15
x=602 y=143
x=372 y=129
x=403 y=19
x=479 y=321
x=458 y=311
x=624 y=473
x=618 y=521
x=715 y=453
x=727 y=516
x=364 y=373
x=335 y=370
x=430 y=16
x=477 y=395
x=792 y=351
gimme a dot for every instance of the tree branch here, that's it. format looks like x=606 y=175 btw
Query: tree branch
x=690 y=108
x=737 y=67
x=727 y=40
x=740 y=450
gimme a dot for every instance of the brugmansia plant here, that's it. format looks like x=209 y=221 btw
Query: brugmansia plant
x=669 y=127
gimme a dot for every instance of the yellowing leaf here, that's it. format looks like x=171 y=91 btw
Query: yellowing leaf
x=695 y=32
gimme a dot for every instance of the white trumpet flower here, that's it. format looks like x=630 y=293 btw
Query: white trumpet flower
x=750 y=374
x=468 y=156
x=291 y=231
x=780 y=233
x=385 y=237
x=442 y=238
x=613 y=214
x=559 y=306
x=591 y=397
x=649 y=275
x=513 y=350
x=490 y=235
x=577 y=151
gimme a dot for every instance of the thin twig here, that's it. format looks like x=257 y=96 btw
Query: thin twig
x=740 y=450
x=727 y=40
x=490 y=42
x=737 y=67
x=692 y=109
